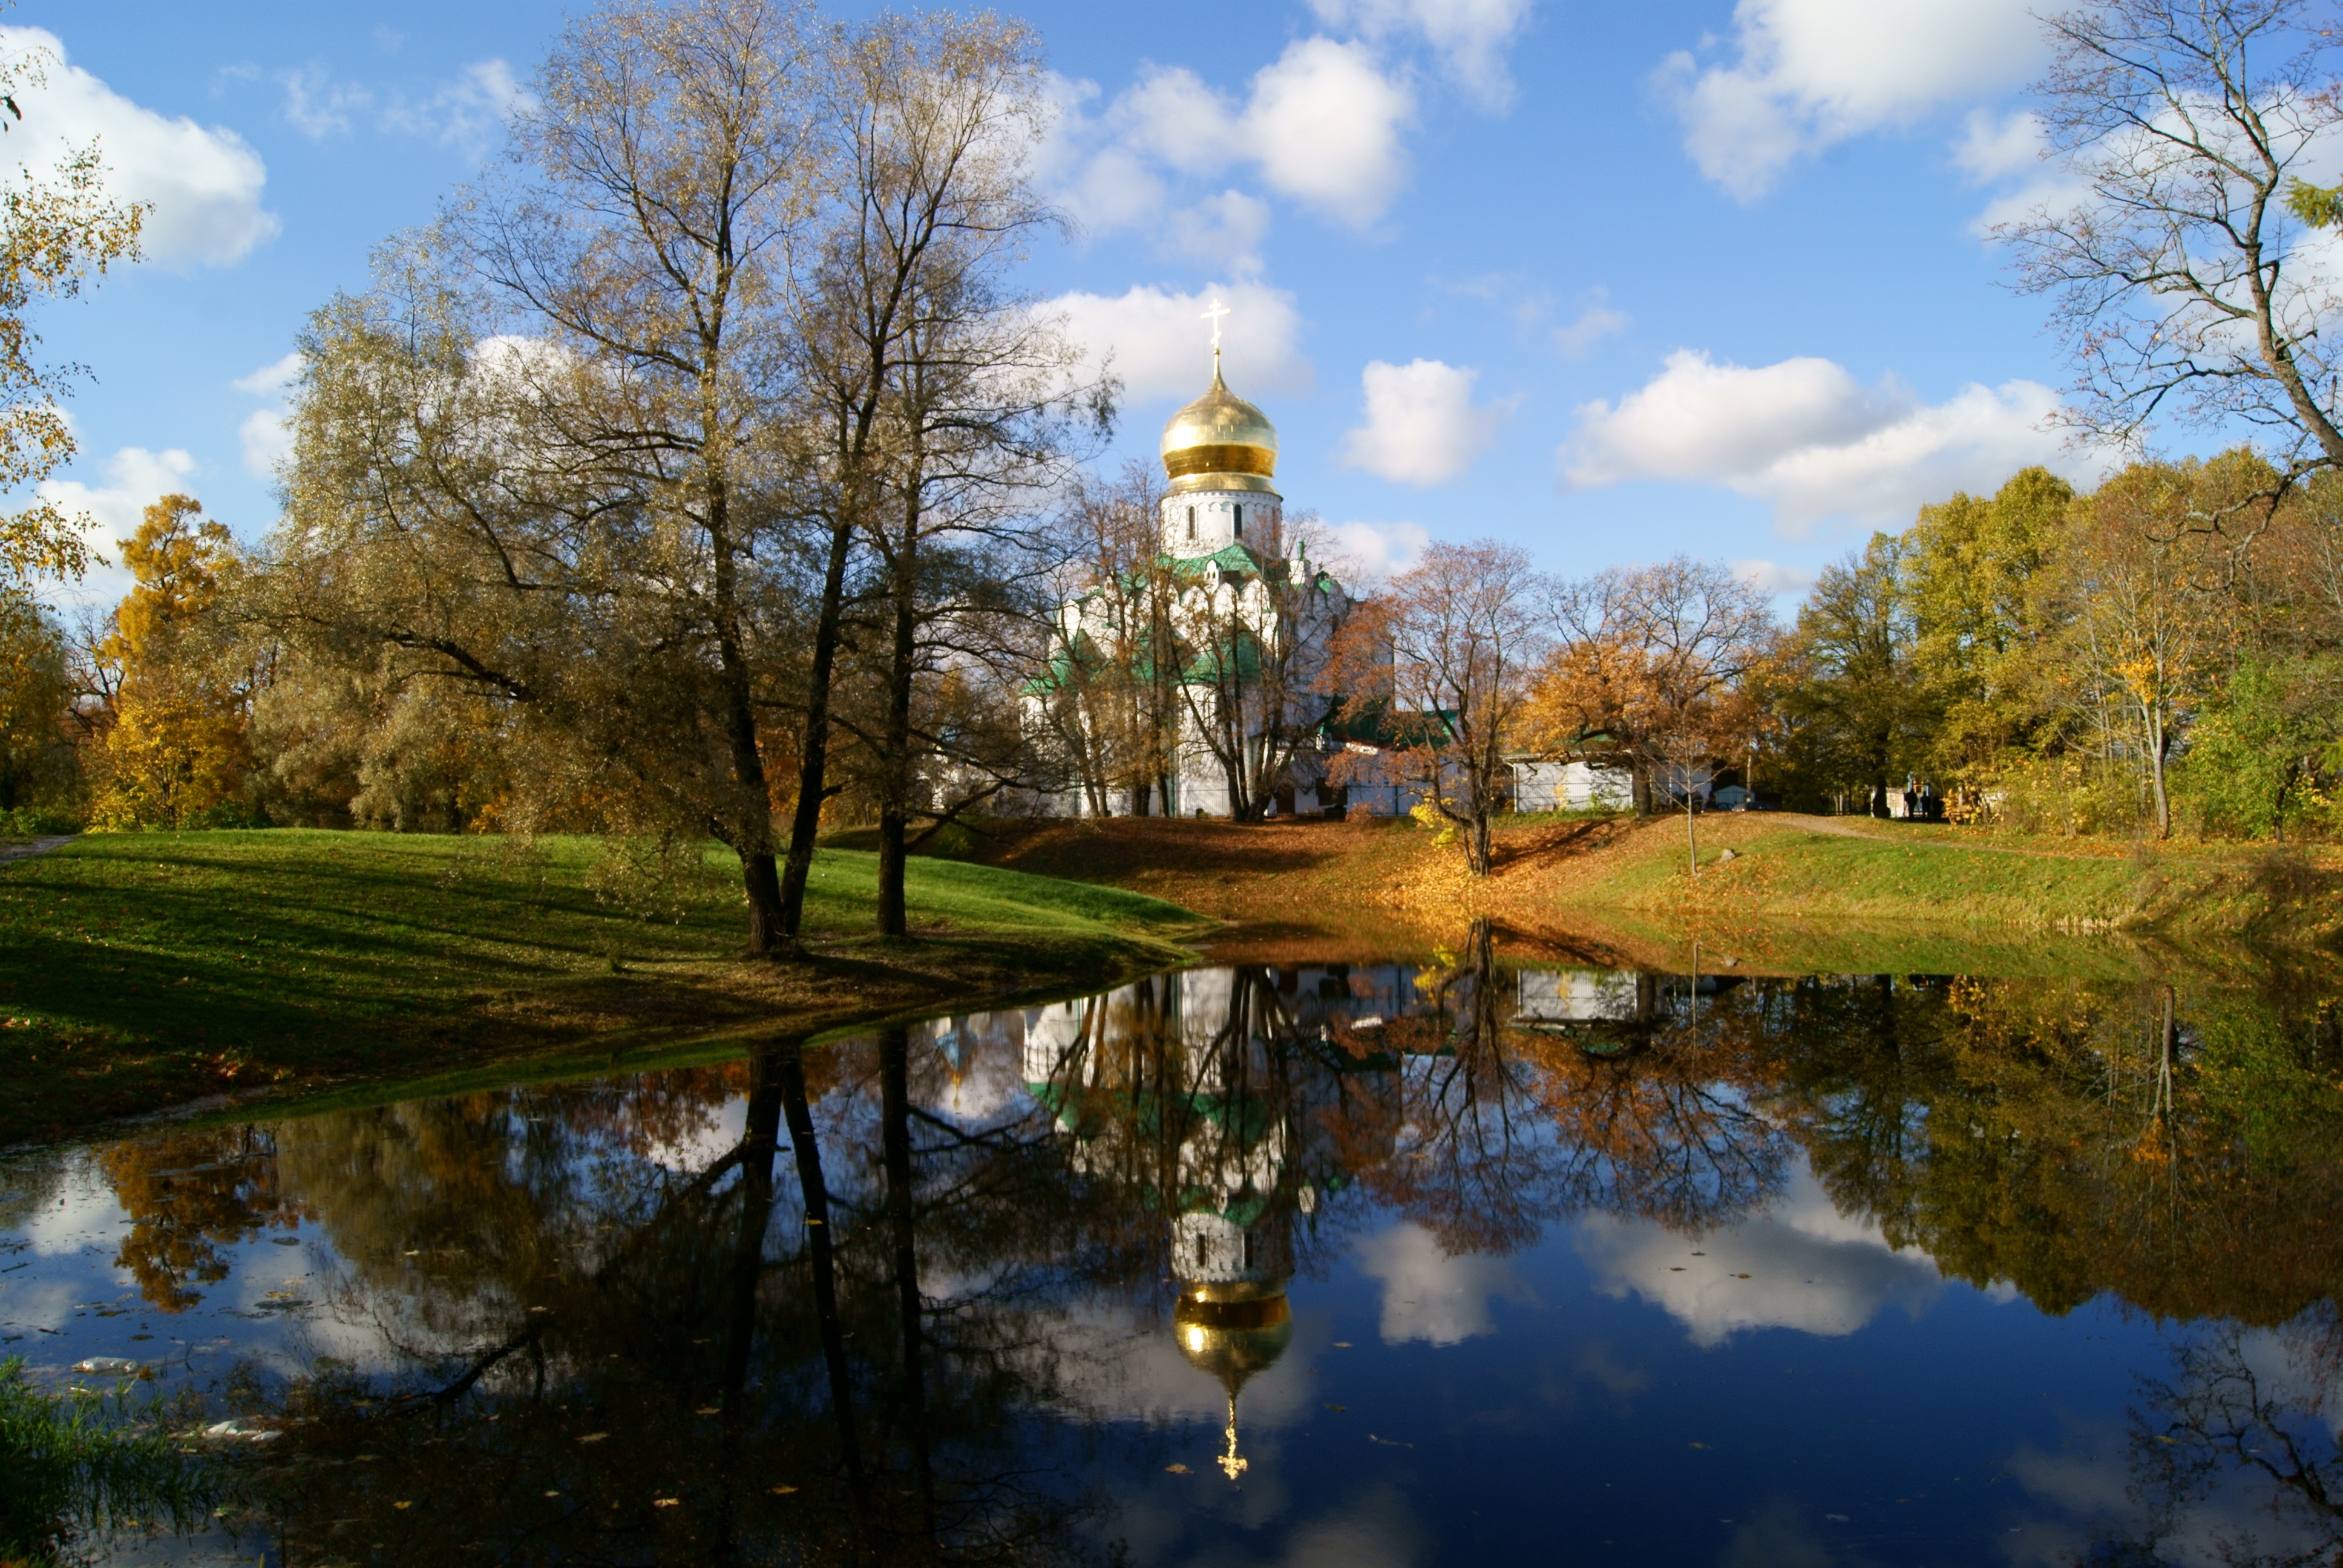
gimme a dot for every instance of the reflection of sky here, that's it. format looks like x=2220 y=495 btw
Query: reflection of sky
x=1429 y=1295
x=1808 y=1268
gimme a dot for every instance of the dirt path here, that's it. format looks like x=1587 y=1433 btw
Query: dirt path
x=26 y=848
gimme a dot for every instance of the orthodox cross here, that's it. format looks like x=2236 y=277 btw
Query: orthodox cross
x=1214 y=315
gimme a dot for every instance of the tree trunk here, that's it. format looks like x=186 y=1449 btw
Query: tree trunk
x=895 y=1139
x=2156 y=769
x=760 y=1142
x=1692 y=834
x=813 y=763
x=788 y=1070
x=754 y=829
x=895 y=761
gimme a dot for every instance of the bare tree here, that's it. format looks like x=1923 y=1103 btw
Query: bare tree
x=1467 y=628
x=2177 y=279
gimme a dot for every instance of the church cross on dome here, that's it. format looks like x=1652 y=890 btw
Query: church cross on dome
x=1214 y=315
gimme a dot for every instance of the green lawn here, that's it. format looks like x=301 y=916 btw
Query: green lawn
x=140 y=969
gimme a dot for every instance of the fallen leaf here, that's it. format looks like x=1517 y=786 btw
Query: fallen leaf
x=710 y=1409
x=553 y=1494
x=665 y=1502
x=594 y=1437
x=1176 y=1470
x=1699 y=1445
x=783 y=1491
x=1343 y=1407
x=1342 y=1344
x=402 y=1505
x=1740 y=1276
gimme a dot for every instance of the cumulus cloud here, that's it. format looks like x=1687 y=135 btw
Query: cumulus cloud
x=267 y=436
x=1156 y=340
x=1365 y=553
x=1429 y=1295
x=136 y=479
x=204 y=185
x=1422 y=426
x=1807 y=73
x=2008 y=151
x=1809 y=1267
x=1226 y=231
x=1470 y=36
x=1807 y=436
x=317 y=105
x=1320 y=124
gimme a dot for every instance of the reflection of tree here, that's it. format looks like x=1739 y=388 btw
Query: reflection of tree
x=2244 y=1430
x=188 y=1194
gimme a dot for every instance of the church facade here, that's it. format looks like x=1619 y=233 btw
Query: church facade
x=1202 y=683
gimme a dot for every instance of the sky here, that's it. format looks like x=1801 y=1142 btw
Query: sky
x=1611 y=283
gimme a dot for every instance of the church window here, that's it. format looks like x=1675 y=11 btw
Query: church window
x=1239 y=522
x=1191 y=522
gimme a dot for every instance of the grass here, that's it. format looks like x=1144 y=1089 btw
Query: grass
x=78 y=1462
x=138 y=970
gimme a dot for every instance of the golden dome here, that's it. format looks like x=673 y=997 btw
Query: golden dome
x=1220 y=442
x=1232 y=1331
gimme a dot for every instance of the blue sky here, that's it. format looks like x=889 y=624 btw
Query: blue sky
x=1611 y=282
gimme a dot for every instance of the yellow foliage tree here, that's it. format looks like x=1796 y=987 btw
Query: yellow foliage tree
x=175 y=752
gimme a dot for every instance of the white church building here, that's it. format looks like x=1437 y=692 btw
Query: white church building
x=1252 y=621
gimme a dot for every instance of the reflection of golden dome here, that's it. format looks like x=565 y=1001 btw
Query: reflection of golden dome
x=1220 y=442
x=1233 y=1330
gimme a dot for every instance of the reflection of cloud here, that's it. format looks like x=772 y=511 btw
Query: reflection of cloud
x=1429 y=1295
x=1785 y=1535
x=1377 y=1531
x=1108 y=1363
x=1809 y=1267
x=713 y=1136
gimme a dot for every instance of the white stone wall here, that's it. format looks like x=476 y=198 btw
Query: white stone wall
x=1205 y=521
x=1571 y=786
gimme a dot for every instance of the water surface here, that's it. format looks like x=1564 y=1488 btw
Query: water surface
x=1428 y=1262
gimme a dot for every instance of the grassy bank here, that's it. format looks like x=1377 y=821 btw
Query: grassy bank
x=1797 y=893
x=137 y=972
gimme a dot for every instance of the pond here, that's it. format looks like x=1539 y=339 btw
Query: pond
x=1445 y=1259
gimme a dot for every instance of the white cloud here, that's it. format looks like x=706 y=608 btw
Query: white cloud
x=1320 y=124
x=1226 y=231
x=204 y=185
x=1429 y=1295
x=265 y=433
x=317 y=105
x=136 y=479
x=1470 y=36
x=1596 y=322
x=1779 y=581
x=1809 y=1267
x=468 y=112
x=1422 y=426
x=1161 y=347
x=2008 y=150
x=1363 y=553
x=1807 y=436
x=1807 y=73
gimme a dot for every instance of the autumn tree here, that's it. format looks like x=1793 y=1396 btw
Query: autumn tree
x=174 y=750
x=1651 y=667
x=1464 y=630
x=1864 y=714
x=35 y=758
x=58 y=231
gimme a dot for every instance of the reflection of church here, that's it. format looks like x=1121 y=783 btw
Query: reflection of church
x=1224 y=1099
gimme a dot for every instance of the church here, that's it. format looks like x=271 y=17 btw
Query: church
x=1199 y=683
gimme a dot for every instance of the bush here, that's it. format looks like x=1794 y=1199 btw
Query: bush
x=37 y=821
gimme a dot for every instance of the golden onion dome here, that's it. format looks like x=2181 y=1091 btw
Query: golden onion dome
x=1220 y=442
x=1233 y=1330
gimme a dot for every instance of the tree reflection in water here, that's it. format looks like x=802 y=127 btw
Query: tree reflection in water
x=611 y=1323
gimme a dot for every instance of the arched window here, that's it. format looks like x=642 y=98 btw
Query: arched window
x=1191 y=522
x=1239 y=522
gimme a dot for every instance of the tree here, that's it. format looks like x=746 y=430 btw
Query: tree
x=35 y=692
x=931 y=402
x=540 y=461
x=1651 y=668
x=1973 y=572
x=978 y=398
x=174 y=751
x=2178 y=279
x=1465 y=629
x=57 y=233
x=1863 y=706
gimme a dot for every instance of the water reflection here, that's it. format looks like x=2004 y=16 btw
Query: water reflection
x=955 y=1292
